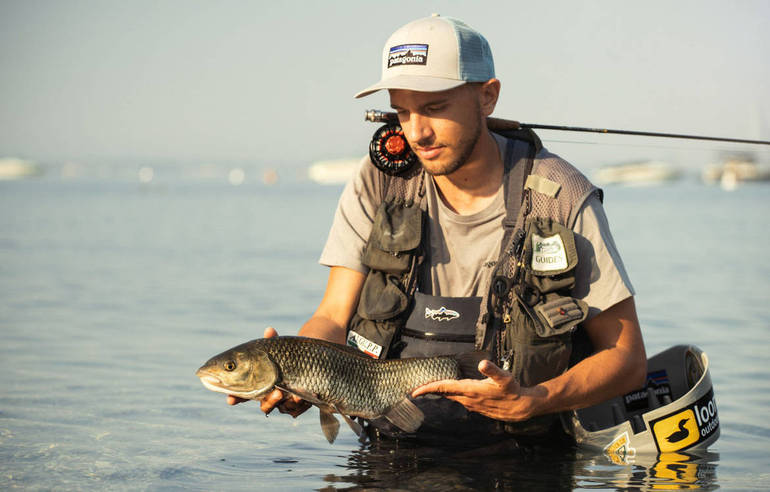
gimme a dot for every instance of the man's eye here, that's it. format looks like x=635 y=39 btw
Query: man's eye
x=436 y=108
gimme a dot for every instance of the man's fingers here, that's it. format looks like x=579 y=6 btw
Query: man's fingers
x=494 y=373
x=294 y=406
x=448 y=386
x=271 y=400
x=270 y=332
x=234 y=400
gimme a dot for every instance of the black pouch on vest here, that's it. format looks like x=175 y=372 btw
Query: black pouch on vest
x=382 y=297
x=396 y=231
x=389 y=253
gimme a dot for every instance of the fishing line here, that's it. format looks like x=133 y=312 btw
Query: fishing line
x=653 y=146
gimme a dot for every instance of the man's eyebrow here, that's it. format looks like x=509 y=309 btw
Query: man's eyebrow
x=434 y=102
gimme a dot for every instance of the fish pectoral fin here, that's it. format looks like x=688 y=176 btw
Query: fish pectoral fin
x=405 y=415
x=330 y=426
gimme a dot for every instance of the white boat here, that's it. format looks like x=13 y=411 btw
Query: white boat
x=734 y=171
x=639 y=173
x=15 y=168
x=335 y=171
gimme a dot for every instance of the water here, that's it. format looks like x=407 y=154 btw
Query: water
x=113 y=293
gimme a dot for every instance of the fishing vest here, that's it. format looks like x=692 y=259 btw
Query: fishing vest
x=526 y=318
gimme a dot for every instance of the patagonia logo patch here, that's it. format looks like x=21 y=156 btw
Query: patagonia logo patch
x=441 y=314
x=408 y=54
x=548 y=253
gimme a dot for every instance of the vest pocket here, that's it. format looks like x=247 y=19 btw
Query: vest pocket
x=539 y=351
x=396 y=233
x=559 y=315
x=381 y=297
x=551 y=255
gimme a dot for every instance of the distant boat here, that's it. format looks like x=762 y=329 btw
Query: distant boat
x=639 y=173
x=735 y=170
x=14 y=168
x=336 y=171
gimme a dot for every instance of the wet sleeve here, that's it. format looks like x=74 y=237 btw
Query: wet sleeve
x=353 y=220
x=601 y=278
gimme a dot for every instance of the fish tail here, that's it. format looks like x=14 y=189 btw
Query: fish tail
x=468 y=363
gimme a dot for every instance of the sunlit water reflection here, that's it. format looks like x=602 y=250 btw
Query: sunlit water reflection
x=112 y=294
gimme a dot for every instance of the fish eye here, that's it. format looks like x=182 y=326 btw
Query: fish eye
x=229 y=365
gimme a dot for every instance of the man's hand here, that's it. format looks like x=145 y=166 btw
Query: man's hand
x=290 y=404
x=499 y=396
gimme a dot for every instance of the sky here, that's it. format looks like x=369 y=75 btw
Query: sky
x=273 y=82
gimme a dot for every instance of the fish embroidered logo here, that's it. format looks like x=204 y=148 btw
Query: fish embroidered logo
x=408 y=54
x=441 y=314
x=676 y=432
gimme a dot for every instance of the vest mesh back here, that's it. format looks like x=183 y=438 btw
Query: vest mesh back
x=575 y=187
x=405 y=187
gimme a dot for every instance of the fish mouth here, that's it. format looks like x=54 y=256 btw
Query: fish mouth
x=215 y=384
x=210 y=381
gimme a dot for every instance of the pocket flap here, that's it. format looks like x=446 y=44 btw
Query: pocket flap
x=381 y=297
x=551 y=246
x=397 y=227
x=560 y=315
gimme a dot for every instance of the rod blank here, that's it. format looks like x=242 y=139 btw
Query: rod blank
x=501 y=124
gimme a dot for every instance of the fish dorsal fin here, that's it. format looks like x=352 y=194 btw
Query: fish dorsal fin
x=330 y=426
x=405 y=415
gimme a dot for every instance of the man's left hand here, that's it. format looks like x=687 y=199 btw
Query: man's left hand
x=499 y=396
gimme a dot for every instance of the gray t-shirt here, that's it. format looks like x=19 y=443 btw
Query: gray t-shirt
x=465 y=248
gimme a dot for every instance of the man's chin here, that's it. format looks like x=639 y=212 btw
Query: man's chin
x=439 y=169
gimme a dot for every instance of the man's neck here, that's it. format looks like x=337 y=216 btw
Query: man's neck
x=473 y=187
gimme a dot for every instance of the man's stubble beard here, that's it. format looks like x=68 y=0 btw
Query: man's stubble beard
x=466 y=147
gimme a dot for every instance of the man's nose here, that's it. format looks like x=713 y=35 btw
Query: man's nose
x=418 y=128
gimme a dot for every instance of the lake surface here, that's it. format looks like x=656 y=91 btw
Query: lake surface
x=112 y=293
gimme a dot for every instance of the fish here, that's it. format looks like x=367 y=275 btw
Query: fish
x=335 y=378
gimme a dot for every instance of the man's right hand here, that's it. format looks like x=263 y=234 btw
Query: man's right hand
x=286 y=403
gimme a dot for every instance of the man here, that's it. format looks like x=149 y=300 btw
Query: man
x=503 y=225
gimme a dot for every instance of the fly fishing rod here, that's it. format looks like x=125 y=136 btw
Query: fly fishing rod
x=391 y=153
x=501 y=124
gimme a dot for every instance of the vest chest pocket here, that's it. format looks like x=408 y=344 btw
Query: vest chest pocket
x=551 y=255
x=396 y=234
x=381 y=297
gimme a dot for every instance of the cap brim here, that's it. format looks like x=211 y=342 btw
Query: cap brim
x=412 y=83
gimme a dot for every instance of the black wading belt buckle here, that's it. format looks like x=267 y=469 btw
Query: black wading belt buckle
x=390 y=152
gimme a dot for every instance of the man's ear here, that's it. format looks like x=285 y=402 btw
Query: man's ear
x=489 y=91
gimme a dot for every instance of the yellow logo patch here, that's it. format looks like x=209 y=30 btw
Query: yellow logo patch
x=677 y=431
x=619 y=450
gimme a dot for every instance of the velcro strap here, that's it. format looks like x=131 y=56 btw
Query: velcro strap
x=542 y=185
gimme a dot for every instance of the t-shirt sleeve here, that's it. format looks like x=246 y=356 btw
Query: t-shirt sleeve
x=601 y=278
x=353 y=219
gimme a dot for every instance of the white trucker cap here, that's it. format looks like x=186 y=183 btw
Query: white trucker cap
x=434 y=54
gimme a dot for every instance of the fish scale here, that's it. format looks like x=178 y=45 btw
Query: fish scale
x=348 y=379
